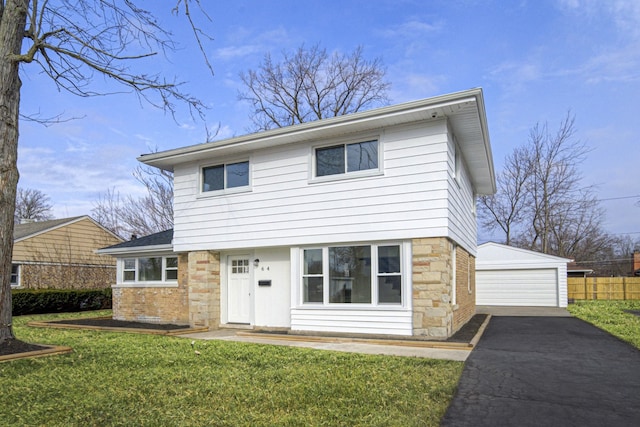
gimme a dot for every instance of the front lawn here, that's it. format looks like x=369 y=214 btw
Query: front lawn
x=147 y=380
x=611 y=316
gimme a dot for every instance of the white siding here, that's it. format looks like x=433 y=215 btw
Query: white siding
x=462 y=224
x=392 y=322
x=284 y=207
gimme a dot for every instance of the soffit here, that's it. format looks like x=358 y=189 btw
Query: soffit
x=464 y=110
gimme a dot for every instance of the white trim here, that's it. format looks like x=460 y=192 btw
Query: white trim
x=163 y=282
x=378 y=171
x=375 y=305
x=145 y=285
x=17 y=284
x=466 y=108
x=224 y=191
x=136 y=250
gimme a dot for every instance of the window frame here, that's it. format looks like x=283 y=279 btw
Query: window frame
x=374 y=277
x=225 y=190
x=313 y=159
x=164 y=281
x=16 y=283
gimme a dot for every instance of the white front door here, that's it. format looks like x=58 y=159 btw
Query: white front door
x=238 y=289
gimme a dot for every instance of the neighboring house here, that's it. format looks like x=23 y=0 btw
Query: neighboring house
x=358 y=224
x=518 y=277
x=60 y=254
x=574 y=270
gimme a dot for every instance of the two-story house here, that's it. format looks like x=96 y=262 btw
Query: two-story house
x=358 y=224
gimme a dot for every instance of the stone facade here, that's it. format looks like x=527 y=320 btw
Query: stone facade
x=434 y=314
x=155 y=304
x=65 y=276
x=432 y=275
x=465 y=306
x=204 y=289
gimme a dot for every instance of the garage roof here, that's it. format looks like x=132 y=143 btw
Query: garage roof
x=493 y=255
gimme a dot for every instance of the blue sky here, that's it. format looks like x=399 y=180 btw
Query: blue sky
x=535 y=60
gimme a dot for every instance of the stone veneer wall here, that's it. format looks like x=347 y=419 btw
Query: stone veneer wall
x=61 y=276
x=155 y=304
x=432 y=275
x=465 y=288
x=204 y=289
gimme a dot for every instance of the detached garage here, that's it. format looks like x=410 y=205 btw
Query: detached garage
x=517 y=277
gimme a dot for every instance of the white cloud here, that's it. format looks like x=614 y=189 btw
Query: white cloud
x=246 y=43
x=413 y=28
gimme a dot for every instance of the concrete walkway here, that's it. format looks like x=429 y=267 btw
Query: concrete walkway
x=431 y=350
x=547 y=371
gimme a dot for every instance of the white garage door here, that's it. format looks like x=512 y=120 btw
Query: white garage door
x=537 y=287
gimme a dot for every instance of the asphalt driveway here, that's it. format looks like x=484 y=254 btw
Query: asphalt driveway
x=547 y=371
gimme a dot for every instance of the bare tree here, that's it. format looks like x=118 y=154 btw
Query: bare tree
x=541 y=202
x=506 y=209
x=73 y=41
x=311 y=85
x=127 y=215
x=32 y=204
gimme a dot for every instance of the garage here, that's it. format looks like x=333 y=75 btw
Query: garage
x=508 y=276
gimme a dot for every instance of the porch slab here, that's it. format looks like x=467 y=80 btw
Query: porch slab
x=390 y=347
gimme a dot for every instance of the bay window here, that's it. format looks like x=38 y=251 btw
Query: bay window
x=362 y=274
x=150 y=269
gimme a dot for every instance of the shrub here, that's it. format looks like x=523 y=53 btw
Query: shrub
x=39 y=301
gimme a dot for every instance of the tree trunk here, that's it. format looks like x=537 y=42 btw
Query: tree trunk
x=12 y=28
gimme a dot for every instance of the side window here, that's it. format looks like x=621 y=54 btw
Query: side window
x=129 y=270
x=15 y=275
x=346 y=158
x=312 y=278
x=171 y=268
x=220 y=177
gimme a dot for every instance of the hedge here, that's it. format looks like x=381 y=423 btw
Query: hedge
x=40 y=301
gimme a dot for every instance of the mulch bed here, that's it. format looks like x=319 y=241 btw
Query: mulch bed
x=468 y=331
x=107 y=322
x=17 y=346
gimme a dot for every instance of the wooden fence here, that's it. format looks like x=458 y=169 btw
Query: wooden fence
x=603 y=288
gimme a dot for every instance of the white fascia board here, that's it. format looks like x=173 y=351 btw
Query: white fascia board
x=540 y=257
x=136 y=250
x=358 y=122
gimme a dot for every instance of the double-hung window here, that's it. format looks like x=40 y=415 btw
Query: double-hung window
x=150 y=269
x=346 y=158
x=225 y=176
x=365 y=274
x=15 y=275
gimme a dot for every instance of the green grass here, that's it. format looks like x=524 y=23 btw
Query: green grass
x=118 y=379
x=611 y=317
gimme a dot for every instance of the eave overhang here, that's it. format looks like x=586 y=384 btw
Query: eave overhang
x=464 y=110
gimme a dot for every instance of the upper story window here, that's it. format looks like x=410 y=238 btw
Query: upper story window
x=228 y=175
x=150 y=269
x=346 y=158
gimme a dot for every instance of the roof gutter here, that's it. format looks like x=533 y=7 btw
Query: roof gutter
x=167 y=159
